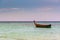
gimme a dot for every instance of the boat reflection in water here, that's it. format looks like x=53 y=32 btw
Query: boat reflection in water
x=41 y=25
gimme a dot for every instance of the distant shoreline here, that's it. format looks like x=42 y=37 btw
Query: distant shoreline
x=29 y=21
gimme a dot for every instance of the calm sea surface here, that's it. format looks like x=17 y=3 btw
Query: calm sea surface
x=28 y=31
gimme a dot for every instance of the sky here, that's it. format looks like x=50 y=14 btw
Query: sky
x=29 y=10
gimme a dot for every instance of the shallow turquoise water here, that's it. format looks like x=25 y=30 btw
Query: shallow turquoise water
x=27 y=31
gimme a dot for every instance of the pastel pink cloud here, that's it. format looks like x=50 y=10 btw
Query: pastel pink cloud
x=40 y=14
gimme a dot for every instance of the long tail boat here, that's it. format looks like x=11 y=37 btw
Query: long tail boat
x=42 y=25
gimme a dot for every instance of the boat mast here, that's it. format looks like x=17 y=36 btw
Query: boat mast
x=34 y=22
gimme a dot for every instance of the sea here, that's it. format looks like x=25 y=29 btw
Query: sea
x=28 y=31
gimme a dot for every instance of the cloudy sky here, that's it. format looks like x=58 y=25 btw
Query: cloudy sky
x=29 y=10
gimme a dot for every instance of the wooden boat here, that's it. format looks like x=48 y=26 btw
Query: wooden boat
x=41 y=25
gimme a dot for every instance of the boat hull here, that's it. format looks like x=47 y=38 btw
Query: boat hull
x=43 y=26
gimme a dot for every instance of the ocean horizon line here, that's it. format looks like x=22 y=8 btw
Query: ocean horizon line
x=29 y=21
